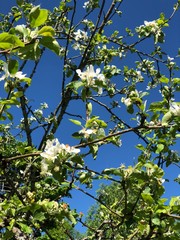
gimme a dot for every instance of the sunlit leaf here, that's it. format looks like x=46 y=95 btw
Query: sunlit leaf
x=46 y=31
x=167 y=118
x=9 y=41
x=38 y=16
x=75 y=122
x=160 y=147
x=147 y=198
x=164 y=79
x=25 y=228
x=50 y=43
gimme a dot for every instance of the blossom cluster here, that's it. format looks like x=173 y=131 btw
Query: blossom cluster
x=90 y=76
x=128 y=100
x=151 y=27
x=80 y=35
x=54 y=150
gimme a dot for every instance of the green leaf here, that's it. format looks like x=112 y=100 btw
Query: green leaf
x=39 y=216
x=176 y=80
x=147 y=198
x=113 y=171
x=156 y=221
x=18 y=94
x=71 y=218
x=31 y=51
x=8 y=41
x=50 y=43
x=77 y=135
x=38 y=16
x=13 y=66
x=89 y=108
x=46 y=31
x=164 y=79
x=140 y=147
x=12 y=101
x=75 y=122
x=26 y=80
x=174 y=201
x=94 y=150
x=160 y=147
x=10 y=116
x=77 y=84
x=130 y=109
x=25 y=228
x=167 y=118
x=156 y=106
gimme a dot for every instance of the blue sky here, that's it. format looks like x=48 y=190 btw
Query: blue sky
x=47 y=83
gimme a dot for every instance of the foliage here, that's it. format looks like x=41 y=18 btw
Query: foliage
x=38 y=173
x=133 y=208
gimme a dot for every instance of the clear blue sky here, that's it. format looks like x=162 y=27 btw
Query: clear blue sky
x=47 y=83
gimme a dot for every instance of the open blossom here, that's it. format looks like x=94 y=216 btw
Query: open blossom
x=90 y=75
x=54 y=148
x=150 y=27
x=86 y=4
x=170 y=59
x=126 y=101
x=86 y=132
x=175 y=109
x=80 y=35
x=7 y=74
x=154 y=26
x=70 y=150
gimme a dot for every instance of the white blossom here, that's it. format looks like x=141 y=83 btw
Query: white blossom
x=32 y=119
x=80 y=35
x=170 y=59
x=87 y=132
x=38 y=113
x=86 y=4
x=153 y=24
x=134 y=93
x=53 y=149
x=7 y=74
x=44 y=168
x=44 y=105
x=90 y=75
x=126 y=101
x=70 y=150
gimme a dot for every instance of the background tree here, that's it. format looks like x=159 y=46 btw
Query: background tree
x=108 y=88
x=133 y=208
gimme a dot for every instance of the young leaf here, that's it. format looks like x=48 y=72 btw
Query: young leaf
x=147 y=198
x=13 y=66
x=167 y=118
x=46 y=31
x=38 y=16
x=163 y=79
x=160 y=147
x=8 y=41
x=75 y=122
x=89 y=108
x=50 y=43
